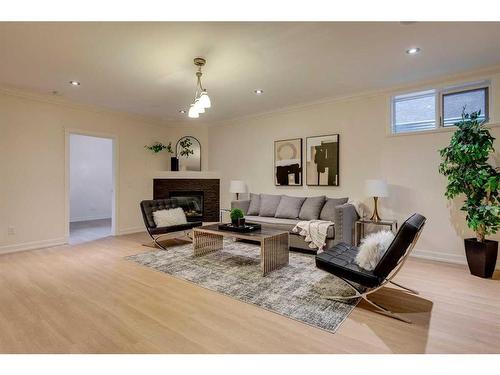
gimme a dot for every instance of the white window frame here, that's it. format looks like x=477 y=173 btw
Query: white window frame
x=439 y=93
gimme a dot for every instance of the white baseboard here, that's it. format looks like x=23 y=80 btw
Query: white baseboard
x=33 y=245
x=88 y=218
x=444 y=257
x=131 y=230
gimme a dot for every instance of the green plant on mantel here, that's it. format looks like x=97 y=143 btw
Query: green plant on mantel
x=236 y=214
x=158 y=147
x=186 y=147
x=465 y=164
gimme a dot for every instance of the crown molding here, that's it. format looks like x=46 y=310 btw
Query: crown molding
x=447 y=79
x=55 y=100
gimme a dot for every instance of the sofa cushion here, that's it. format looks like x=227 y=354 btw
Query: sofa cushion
x=283 y=224
x=311 y=208
x=269 y=204
x=327 y=213
x=289 y=207
x=254 y=207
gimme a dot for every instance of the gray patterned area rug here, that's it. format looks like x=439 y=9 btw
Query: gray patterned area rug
x=293 y=291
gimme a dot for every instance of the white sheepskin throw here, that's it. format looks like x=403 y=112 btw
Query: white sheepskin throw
x=167 y=218
x=372 y=248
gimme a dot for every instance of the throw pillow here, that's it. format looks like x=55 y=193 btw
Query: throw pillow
x=289 y=207
x=327 y=213
x=269 y=204
x=311 y=208
x=168 y=218
x=254 y=207
x=373 y=248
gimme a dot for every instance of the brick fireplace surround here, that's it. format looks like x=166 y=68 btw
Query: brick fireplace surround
x=210 y=187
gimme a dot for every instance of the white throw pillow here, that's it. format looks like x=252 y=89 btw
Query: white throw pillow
x=167 y=218
x=372 y=248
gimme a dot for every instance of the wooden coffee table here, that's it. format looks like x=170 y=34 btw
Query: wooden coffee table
x=274 y=250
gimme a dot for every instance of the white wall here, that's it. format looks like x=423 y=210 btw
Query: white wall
x=367 y=150
x=32 y=166
x=91 y=177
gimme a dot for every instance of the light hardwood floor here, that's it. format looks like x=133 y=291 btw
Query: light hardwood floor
x=88 y=299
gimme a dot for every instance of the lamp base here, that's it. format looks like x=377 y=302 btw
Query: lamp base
x=375 y=217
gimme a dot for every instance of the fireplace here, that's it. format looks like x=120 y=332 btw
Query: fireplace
x=201 y=195
x=190 y=201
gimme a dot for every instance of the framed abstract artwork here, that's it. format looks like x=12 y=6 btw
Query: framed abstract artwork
x=322 y=160
x=288 y=162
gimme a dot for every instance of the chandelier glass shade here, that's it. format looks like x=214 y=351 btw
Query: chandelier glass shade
x=201 y=99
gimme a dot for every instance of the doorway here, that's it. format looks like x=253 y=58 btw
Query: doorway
x=91 y=194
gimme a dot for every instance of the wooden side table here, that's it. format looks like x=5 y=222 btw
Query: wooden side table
x=359 y=228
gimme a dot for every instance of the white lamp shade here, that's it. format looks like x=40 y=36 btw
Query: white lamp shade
x=237 y=186
x=205 y=100
x=193 y=112
x=199 y=107
x=376 y=188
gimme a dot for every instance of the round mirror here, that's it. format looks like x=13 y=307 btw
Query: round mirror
x=188 y=150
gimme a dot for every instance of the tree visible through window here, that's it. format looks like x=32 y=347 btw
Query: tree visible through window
x=473 y=101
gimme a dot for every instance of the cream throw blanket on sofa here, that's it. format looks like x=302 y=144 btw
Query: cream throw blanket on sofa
x=314 y=232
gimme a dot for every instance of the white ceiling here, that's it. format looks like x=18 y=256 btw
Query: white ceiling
x=146 y=68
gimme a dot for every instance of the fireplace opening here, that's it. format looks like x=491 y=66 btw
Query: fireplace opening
x=190 y=201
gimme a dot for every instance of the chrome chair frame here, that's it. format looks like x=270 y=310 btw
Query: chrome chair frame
x=187 y=234
x=364 y=295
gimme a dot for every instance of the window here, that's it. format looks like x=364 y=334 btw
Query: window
x=414 y=112
x=431 y=109
x=473 y=100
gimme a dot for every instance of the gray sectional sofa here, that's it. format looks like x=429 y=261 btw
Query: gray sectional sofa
x=284 y=212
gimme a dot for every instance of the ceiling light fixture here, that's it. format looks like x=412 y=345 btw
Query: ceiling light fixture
x=413 y=51
x=74 y=83
x=182 y=111
x=201 y=98
x=258 y=91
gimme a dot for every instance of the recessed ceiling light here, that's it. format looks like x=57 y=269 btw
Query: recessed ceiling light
x=182 y=111
x=413 y=51
x=74 y=83
x=258 y=91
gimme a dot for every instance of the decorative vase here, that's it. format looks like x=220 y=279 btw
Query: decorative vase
x=481 y=256
x=234 y=222
x=174 y=164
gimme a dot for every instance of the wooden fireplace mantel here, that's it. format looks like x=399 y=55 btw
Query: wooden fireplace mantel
x=187 y=174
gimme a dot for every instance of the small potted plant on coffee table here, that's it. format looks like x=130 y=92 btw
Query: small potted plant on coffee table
x=237 y=217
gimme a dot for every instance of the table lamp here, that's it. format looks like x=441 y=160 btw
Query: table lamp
x=237 y=186
x=376 y=189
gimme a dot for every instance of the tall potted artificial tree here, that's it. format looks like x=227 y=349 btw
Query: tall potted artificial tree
x=465 y=164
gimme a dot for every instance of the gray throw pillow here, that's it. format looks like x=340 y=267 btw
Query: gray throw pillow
x=254 y=207
x=269 y=204
x=311 y=208
x=327 y=213
x=289 y=207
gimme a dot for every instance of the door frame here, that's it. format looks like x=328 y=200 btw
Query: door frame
x=115 y=169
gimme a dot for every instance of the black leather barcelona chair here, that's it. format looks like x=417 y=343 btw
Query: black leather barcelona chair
x=150 y=206
x=339 y=260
